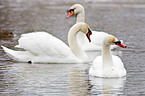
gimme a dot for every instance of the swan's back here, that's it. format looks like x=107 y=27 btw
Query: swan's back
x=97 y=37
x=42 y=43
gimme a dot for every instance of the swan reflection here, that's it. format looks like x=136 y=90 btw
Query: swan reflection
x=78 y=81
x=47 y=79
x=107 y=86
x=58 y=79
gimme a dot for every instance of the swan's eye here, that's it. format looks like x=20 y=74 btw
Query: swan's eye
x=117 y=42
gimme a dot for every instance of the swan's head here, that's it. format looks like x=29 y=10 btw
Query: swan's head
x=75 y=9
x=82 y=27
x=86 y=29
x=111 y=40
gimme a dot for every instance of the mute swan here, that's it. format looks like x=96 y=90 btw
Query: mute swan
x=108 y=65
x=42 y=47
x=96 y=37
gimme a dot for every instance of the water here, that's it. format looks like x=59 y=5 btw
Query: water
x=123 y=18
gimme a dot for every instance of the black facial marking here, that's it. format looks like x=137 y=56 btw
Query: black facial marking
x=71 y=10
x=88 y=34
x=117 y=42
x=89 y=31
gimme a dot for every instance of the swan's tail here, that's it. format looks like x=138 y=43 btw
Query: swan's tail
x=22 y=56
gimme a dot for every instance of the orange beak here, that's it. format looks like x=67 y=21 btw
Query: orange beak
x=120 y=44
x=71 y=12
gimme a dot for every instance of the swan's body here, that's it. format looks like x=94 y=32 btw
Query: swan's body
x=42 y=47
x=108 y=65
x=96 y=37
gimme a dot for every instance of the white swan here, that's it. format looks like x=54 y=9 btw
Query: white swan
x=96 y=37
x=42 y=47
x=108 y=65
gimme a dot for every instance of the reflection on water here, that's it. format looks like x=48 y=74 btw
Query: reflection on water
x=45 y=79
x=107 y=86
x=78 y=82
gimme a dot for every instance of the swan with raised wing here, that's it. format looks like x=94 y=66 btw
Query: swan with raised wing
x=96 y=37
x=108 y=65
x=42 y=47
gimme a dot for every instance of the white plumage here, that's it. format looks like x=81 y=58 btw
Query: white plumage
x=108 y=65
x=44 y=48
x=96 y=37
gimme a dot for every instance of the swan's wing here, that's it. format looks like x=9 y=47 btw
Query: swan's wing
x=119 y=66
x=97 y=63
x=42 y=43
x=97 y=37
x=117 y=62
x=96 y=68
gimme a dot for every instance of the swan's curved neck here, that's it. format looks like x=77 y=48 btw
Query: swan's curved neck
x=81 y=16
x=74 y=46
x=107 y=56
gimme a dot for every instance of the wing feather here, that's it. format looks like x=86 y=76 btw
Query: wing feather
x=42 y=43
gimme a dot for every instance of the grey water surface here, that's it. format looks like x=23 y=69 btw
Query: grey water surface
x=125 y=19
